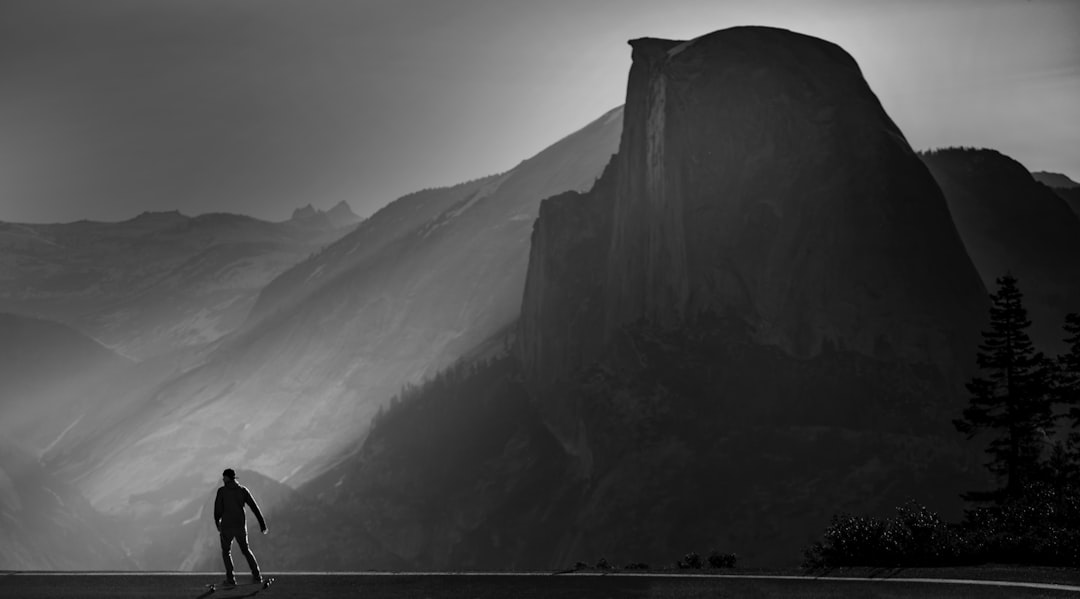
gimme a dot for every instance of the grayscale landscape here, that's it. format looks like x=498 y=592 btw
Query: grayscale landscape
x=687 y=301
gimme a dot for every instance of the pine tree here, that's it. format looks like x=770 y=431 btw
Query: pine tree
x=1069 y=369
x=1068 y=389
x=1013 y=398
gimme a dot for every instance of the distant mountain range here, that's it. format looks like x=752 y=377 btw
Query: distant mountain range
x=709 y=319
x=420 y=284
x=155 y=283
x=341 y=215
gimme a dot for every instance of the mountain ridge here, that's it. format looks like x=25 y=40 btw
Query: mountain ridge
x=420 y=283
x=152 y=284
x=1012 y=223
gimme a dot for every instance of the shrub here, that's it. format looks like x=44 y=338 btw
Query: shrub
x=721 y=560
x=915 y=536
x=603 y=564
x=690 y=561
x=1040 y=527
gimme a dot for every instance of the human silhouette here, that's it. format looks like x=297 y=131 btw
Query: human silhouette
x=231 y=521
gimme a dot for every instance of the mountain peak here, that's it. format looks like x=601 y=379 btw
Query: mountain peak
x=304 y=213
x=342 y=212
x=341 y=215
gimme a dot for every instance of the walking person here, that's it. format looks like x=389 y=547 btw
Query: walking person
x=231 y=522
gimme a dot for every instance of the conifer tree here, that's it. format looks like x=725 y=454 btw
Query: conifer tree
x=1013 y=399
x=1068 y=388
x=1069 y=369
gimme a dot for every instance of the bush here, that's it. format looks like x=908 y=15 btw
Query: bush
x=603 y=564
x=915 y=536
x=1041 y=527
x=636 y=566
x=721 y=560
x=690 y=561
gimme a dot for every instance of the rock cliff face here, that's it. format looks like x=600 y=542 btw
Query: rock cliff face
x=759 y=316
x=758 y=178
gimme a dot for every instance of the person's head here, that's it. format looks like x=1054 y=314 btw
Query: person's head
x=228 y=475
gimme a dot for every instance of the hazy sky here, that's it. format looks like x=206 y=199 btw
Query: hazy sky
x=112 y=107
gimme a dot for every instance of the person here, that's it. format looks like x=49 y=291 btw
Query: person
x=231 y=522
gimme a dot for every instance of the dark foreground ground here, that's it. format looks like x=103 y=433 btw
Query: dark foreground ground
x=504 y=586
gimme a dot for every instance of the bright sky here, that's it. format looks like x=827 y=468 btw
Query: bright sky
x=113 y=107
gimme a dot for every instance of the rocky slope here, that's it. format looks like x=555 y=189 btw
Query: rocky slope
x=45 y=524
x=416 y=286
x=1010 y=222
x=48 y=372
x=759 y=316
x=152 y=284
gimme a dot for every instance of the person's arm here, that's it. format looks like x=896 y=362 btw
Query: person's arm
x=218 y=509
x=250 y=501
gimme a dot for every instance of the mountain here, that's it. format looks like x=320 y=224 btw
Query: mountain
x=409 y=291
x=1010 y=222
x=152 y=284
x=1071 y=197
x=341 y=215
x=304 y=213
x=46 y=525
x=697 y=222
x=1065 y=187
x=46 y=372
x=759 y=316
x=1055 y=180
x=49 y=378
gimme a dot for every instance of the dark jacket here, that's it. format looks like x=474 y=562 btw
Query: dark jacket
x=229 y=507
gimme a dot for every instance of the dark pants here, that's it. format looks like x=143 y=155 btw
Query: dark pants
x=227 y=536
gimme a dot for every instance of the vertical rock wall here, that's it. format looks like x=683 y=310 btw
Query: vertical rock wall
x=758 y=176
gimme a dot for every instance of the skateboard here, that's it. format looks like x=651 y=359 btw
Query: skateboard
x=245 y=590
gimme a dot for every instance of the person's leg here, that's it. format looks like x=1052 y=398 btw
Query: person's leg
x=241 y=540
x=226 y=554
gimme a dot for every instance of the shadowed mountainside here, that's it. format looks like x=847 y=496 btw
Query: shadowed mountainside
x=1071 y=197
x=1065 y=187
x=1012 y=223
x=1054 y=180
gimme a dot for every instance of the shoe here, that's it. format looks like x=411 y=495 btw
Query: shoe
x=228 y=582
x=256 y=579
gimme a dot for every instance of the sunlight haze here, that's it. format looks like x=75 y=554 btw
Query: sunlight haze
x=111 y=108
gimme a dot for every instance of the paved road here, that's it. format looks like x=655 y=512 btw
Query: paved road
x=504 y=586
